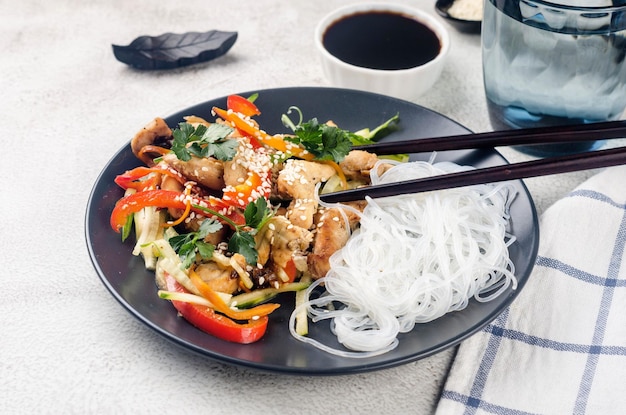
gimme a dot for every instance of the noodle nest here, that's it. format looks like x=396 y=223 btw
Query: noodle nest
x=413 y=259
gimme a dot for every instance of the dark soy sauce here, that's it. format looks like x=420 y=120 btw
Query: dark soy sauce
x=381 y=40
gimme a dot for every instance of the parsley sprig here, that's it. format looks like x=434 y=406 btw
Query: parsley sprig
x=256 y=214
x=189 y=245
x=328 y=142
x=324 y=141
x=203 y=141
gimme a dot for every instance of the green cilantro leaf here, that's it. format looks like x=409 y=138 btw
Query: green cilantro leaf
x=336 y=143
x=324 y=141
x=205 y=249
x=208 y=226
x=224 y=151
x=188 y=245
x=257 y=213
x=327 y=142
x=203 y=141
x=216 y=132
x=243 y=243
x=179 y=144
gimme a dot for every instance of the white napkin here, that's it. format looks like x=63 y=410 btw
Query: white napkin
x=560 y=348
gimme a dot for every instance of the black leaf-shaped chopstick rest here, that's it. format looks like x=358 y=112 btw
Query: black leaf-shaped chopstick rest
x=173 y=50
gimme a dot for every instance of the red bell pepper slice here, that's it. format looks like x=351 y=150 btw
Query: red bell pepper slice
x=290 y=270
x=131 y=178
x=239 y=104
x=167 y=199
x=242 y=105
x=218 y=325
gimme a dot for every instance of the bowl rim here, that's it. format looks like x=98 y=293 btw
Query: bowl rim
x=416 y=14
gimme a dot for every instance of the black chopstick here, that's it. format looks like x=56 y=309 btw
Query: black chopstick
x=542 y=167
x=525 y=136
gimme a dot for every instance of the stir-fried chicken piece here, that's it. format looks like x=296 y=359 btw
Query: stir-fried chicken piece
x=206 y=171
x=248 y=162
x=218 y=278
x=331 y=235
x=156 y=133
x=282 y=241
x=298 y=179
x=235 y=171
x=358 y=164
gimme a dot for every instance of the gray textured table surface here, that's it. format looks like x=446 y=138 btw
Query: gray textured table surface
x=66 y=107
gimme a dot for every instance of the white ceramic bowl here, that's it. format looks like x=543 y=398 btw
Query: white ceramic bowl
x=407 y=84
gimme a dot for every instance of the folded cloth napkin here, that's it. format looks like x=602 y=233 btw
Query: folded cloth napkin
x=560 y=347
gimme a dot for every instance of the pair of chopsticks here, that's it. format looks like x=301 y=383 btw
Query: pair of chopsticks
x=529 y=136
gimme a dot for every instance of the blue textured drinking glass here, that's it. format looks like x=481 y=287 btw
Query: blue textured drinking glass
x=554 y=63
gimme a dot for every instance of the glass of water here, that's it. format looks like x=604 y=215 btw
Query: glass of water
x=555 y=62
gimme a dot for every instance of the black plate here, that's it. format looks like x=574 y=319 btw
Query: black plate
x=125 y=277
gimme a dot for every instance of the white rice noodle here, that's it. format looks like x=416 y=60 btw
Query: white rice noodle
x=413 y=259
